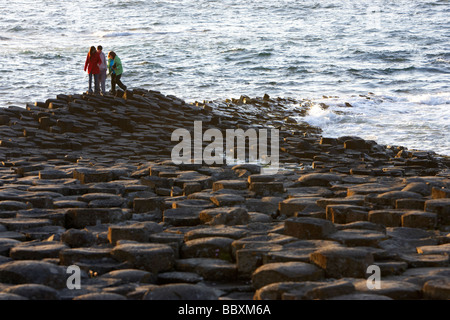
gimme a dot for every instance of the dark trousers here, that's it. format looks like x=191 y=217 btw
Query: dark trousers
x=115 y=79
x=96 y=84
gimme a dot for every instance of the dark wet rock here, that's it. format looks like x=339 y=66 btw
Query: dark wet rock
x=290 y=207
x=419 y=219
x=210 y=269
x=397 y=290
x=6 y=244
x=181 y=292
x=30 y=271
x=131 y=276
x=441 y=207
x=227 y=200
x=211 y=247
x=320 y=290
x=410 y=204
x=252 y=255
x=10 y=296
x=75 y=238
x=230 y=184
x=100 y=296
x=150 y=257
x=438 y=289
x=101 y=164
x=392 y=267
x=344 y=213
x=86 y=175
x=33 y=292
x=358 y=237
x=418 y=187
x=343 y=262
x=139 y=232
x=182 y=217
x=7 y=205
x=319 y=179
x=82 y=217
x=23 y=224
x=267 y=188
x=179 y=277
x=76 y=255
x=440 y=193
x=225 y=215
x=308 y=228
x=361 y=296
x=37 y=250
x=266 y=205
x=415 y=260
x=388 y=218
x=285 y=271
x=218 y=231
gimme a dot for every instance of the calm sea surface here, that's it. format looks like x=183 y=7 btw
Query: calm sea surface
x=390 y=60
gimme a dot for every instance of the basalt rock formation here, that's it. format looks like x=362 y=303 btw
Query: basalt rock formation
x=88 y=181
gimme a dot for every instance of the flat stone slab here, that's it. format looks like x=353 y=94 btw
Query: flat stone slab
x=438 y=289
x=416 y=260
x=6 y=244
x=179 y=277
x=182 y=217
x=211 y=247
x=193 y=204
x=355 y=237
x=291 y=206
x=217 y=231
x=136 y=232
x=37 y=250
x=34 y=292
x=368 y=188
x=225 y=216
x=308 y=228
x=31 y=271
x=319 y=179
x=397 y=290
x=267 y=188
x=151 y=257
x=131 y=276
x=440 y=249
x=344 y=213
x=101 y=296
x=441 y=207
x=387 y=217
x=227 y=200
x=76 y=255
x=209 y=269
x=21 y=224
x=419 y=219
x=343 y=262
x=81 y=217
x=285 y=271
x=182 y=291
x=320 y=290
x=362 y=297
x=230 y=184
x=8 y=205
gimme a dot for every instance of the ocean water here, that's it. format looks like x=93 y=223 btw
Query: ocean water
x=377 y=69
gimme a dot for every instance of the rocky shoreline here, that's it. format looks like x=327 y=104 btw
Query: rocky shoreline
x=87 y=180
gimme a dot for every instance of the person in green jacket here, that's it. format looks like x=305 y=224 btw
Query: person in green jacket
x=116 y=71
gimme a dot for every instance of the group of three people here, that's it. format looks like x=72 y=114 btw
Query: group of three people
x=96 y=66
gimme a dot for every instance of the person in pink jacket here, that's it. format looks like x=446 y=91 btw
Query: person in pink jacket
x=92 y=67
x=103 y=67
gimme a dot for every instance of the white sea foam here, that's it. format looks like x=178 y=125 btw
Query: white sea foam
x=389 y=120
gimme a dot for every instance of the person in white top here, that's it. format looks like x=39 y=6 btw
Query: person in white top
x=103 y=67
